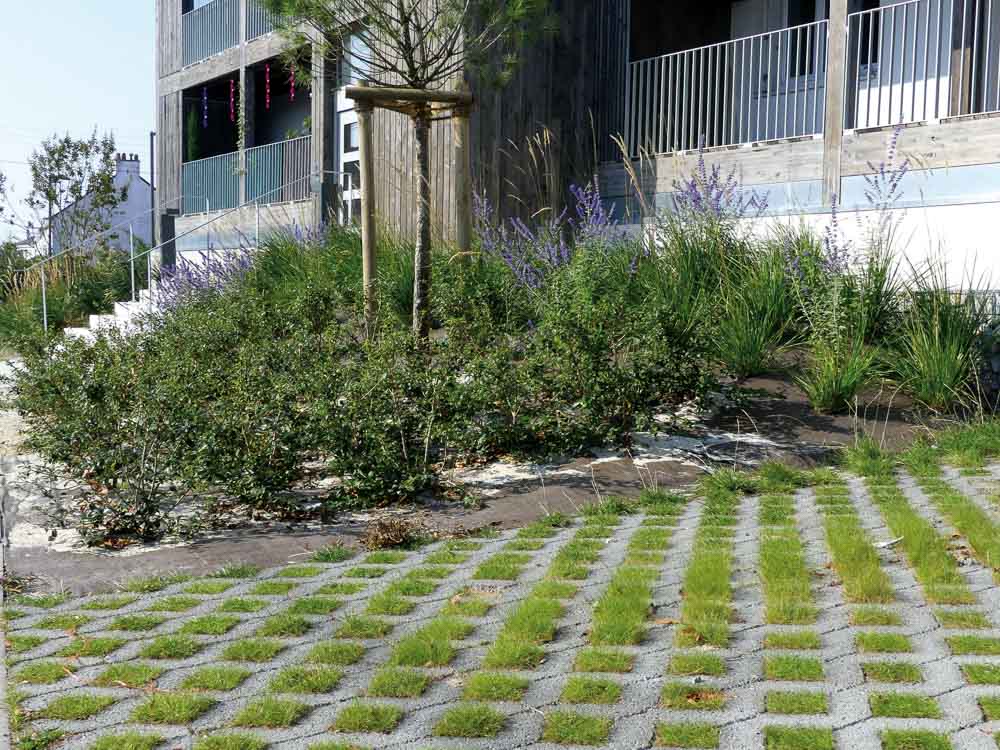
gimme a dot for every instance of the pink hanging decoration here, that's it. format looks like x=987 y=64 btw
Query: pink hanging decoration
x=232 y=100
x=293 y=84
x=267 y=86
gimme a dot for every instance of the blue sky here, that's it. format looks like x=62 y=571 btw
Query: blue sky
x=70 y=66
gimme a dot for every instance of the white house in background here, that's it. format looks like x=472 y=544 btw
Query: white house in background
x=134 y=211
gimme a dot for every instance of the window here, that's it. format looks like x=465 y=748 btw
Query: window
x=352 y=175
x=351 y=138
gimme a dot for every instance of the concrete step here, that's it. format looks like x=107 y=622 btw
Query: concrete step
x=84 y=334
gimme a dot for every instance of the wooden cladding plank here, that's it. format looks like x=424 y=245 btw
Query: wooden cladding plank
x=169 y=37
x=956 y=143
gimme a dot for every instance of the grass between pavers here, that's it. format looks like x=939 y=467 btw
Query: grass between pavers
x=40 y=601
x=359 y=716
x=300 y=571
x=342 y=588
x=695 y=664
x=63 y=621
x=796 y=702
x=805 y=640
x=990 y=706
x=621 y=612
x=687 y=734
x=231 y=741
x=603 y=660
x=364 y=628
x=793 y=668
x=467 y=603
x=242 y=605
x=87 y=646
x=706 y=609
x=172 y=708
x=76 y=706
x=413 y=586
x=210 y=625
x=20 y=644
x=209 y=587
x=871 y=616
x=337 y=653
x=797 y=738
x=109 y=603
x=973 y=644
x=43 y=673
x=396 y=682
x=172 y=647
x=982 y=674
x=960 y=619
x=127 y=741
x=894 y=739
x=137 y=623
x=384 y=557
x=892 y=671
x=505 y=566
x=305 y=679
x=591 y=690
x=786 y=579
x=253 y=650
x=854 y=556
x=129 y=675
x=335 y=553
x=431 y=645
x=573 y=560
x=273 y=588
x=904 y=706
x=390 y=603
x=968 y=518
x=518 y=645
x=366 y=572
x=882 y=643
x=686 y=697
x=927 y=551
x=314 y=605
x=178 y=603
x=492 y=686
x=271 y=713
x=470 y=721
x=568 y=728
x=284 y=625
x=220 y=678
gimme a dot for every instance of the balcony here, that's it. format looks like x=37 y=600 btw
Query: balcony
x=275 y=173
x=215 y=27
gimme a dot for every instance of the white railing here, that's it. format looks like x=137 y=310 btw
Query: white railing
x=922 y=60
x=259 y=20
x=757 y=88
x=210 y=29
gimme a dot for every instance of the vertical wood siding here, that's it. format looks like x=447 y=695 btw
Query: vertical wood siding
x=170 y=151
x=169 y=37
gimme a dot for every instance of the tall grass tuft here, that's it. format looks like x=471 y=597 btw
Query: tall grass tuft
x=835 y=375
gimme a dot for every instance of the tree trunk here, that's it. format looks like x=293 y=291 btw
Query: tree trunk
x=422 y=254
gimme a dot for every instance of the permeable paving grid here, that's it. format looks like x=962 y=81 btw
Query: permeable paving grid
x=854 y=615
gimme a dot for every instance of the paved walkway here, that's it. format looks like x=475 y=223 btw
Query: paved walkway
x=403 y=649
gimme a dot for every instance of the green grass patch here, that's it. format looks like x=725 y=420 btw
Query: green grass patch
x=231 y=741
x=390 y=603
x=337 y=653
x=567 y=728
x=603 y=660
x=156 y=583
x=109 y=603
x=172 y=708
x=510 y=652
x=574 y=559
x=524 y=545
x=243 y=605
x=43 y=673
x=252 y=649
x=981 y=674
x=210 y=625
x=793 y=668
x=894 y=739
x=430 y=646
x=446 y=557
x=504 y=566
x=786 y=579
x=904 y=706
x=555 y=590
x=621 y=612
x=365 y=628
x=305 y=679
x=76 y=707
x=237 y=570
x=855 y=558
x=686 y=697
x=342 y=588
x=892 y=671
x=801 y=639
x=883 y=643
x=20 y=644
x=86 y=646
x=687 y=734
x=467 y=604
x=62 y=622
x=367 y=572
x=129 y=675
x=873 y=616
x=974 y=644
x=300 y=571
x=127 y=741
x=470 y=721
x=40 y=601
x=990 y=706
x=384 y=557
x=394 y=682
x=171 y=647
x=797 y=738
x=175 y=604
x=271 y=713
x=208 y=587
x=411 y=586
x=971 y=521
x=137 y=623
x=796 y=702
x=590 y=690
x=696 y=664
x=962 y=619
x=487 y=686
x=314 y=605
x=219 y=678
x=284 y=625
x=273 y=588
x=335 y=553
x=368 y=717
x=518 y=644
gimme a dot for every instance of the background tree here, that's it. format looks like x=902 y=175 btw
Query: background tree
x=79 y=173
x=419 y=44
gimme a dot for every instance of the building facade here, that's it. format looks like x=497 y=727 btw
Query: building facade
x=800 y=98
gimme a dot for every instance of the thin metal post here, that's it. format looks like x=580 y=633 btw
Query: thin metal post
x=45 y=300
x=131 y=259
x=256 y=207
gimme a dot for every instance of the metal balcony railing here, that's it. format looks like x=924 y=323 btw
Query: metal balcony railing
x=761 y=87
x=211 y=184
x=278 y=172
x=922 y=60
x=210 y=29
x=259 y=20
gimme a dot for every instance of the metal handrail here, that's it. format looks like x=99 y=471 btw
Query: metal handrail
x=133 y=257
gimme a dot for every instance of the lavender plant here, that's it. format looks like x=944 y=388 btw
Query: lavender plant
x=709 y=194
x=213 y=272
